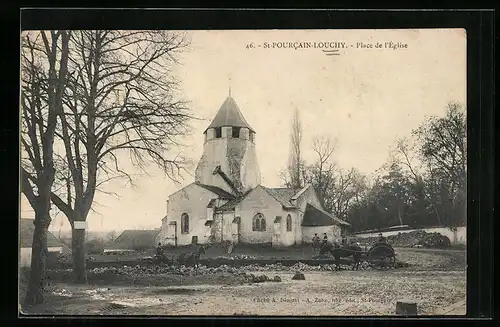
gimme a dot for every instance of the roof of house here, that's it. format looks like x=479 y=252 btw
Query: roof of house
x=217 y=190
x=26 y=231
x=229 y=115
x=315 y=216
x=130 y=239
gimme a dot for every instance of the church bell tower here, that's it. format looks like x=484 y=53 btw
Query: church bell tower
x=229 y=159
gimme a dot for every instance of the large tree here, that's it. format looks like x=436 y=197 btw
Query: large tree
x=293 y=176
x=321 y=174
x=121 y=99
x=443 y=150
x=44 y=63
x=436 y=161
x=337 y=188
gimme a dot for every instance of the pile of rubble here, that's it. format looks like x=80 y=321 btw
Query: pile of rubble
x=418 y=238
x=237 y=257
x=66 y=258
x=139 y=270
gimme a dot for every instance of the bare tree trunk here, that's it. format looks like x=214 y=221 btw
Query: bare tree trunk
x=78 y=254
x=399 y=215
x=34 y=294
x=41 y=134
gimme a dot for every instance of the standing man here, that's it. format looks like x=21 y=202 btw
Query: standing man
x=325 y=239
x=159 y=253
x=315 y=244
x=381 y=238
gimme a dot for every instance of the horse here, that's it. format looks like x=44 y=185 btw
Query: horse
x=339 y=252
x=192 y=258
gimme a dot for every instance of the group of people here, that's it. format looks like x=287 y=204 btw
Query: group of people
x=317 y=244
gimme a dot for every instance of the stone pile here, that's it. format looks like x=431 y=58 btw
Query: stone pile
x=436 y=240
x=412 y=239
x=139 y=270
x=299 y=276
x=251 y=278
x=237 y=257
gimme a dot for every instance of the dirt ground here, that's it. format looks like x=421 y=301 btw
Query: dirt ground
x=435 y=281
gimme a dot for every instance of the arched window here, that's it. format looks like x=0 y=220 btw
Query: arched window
x=256 y=224
x=184 y=223
x=288 y=223
x=259 y=223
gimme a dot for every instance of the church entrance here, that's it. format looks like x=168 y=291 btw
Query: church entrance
x=172 y=233
x=276 y=240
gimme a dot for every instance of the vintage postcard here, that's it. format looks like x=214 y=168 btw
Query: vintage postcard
x=243 y=172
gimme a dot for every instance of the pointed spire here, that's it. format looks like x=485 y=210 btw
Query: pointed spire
x=229 y=115
x=229 y=86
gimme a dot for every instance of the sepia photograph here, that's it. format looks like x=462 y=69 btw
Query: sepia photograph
x=243 y=172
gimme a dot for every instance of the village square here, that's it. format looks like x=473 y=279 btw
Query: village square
x=259 y=194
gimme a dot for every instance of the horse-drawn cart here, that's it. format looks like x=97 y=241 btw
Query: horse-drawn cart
x=381 y=256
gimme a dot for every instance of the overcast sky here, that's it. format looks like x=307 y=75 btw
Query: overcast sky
x=364 y=97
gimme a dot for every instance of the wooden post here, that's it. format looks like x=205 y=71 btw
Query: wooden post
x=406 y=309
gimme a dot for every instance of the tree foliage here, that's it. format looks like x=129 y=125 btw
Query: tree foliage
x=422 y=184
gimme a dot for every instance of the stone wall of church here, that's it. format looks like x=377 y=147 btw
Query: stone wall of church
x=192 y=200
x=258 y=201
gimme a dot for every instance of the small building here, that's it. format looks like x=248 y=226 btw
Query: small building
x=26 y=232
x=227 y=202
x=132 y=240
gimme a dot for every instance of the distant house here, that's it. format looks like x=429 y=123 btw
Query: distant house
x=133 y=240
x=26 y=231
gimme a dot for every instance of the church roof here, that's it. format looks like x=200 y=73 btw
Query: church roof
x=217 y=190
x=231 y=204
x=282 y=195
x=229 y=115
x=315 y=216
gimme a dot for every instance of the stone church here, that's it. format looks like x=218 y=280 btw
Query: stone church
x=227 y=202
